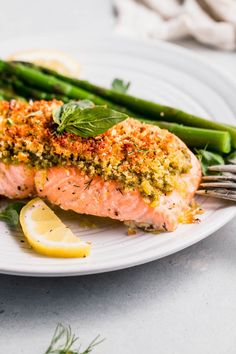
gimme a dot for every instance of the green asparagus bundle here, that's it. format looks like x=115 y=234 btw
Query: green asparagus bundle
x=31 y=81
x=139 y=107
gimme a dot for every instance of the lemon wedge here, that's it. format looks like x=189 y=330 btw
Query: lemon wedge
x=47 y=234
x=51 y=59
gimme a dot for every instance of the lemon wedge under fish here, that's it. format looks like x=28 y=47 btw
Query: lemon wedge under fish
x=47 y=234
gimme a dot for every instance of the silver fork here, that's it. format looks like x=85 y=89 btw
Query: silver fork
x=222 y=186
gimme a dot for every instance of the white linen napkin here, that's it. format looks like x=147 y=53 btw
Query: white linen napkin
x=212 y=22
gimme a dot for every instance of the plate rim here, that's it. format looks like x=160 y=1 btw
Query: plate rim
x=90 y=35
x=68 y=273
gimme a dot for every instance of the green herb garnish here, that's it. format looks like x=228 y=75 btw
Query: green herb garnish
x=120 y=86
x=11 y=213
x=231 y=158
x=208 y=158
x=84 y=119
x=10 y=121
x=63 y=341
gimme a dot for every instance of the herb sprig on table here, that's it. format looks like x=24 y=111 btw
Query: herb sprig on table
x=63 y=342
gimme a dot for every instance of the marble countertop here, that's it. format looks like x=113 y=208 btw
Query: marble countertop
x=182 y=304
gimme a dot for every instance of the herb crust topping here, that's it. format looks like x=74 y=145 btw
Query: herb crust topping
x=137 y=155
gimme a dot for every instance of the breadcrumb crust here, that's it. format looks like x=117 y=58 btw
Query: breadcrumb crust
x=138 y=155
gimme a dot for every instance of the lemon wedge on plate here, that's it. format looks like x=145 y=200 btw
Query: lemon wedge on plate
x=47 y=234
x=51 y=59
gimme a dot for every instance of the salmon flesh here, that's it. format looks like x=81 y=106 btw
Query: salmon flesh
x=134 y=172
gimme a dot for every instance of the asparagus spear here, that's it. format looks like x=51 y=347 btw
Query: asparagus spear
x=52 y=84
x=7 y=93
x=198 y=137
x=145 y=108
x=44 y=81
x=32 y=93
x=3 y=95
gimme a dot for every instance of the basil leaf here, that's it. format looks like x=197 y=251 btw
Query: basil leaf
x=56 y=114
x=11 y=213
x=85 y=104
x=60 y=113
x=120 y=86
x=91 y=122
x=85 y=120
x=208 y=158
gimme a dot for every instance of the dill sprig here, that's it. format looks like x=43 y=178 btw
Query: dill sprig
x=93 y=344
x=63 y=341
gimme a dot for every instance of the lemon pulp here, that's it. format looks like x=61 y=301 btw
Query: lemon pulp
x=47 y=234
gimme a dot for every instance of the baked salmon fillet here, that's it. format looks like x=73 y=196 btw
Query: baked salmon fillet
x=134 y=172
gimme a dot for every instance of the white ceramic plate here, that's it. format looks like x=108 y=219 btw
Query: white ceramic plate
x=160 y=72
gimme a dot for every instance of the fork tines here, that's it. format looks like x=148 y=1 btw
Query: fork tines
x=215 y=178
x=218 y=193
x=223 y=168
x=222 y=186
x=218 y=185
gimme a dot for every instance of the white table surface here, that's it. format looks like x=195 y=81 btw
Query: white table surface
x=182 y=304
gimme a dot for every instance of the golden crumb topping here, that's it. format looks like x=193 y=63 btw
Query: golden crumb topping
x=139 y=156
